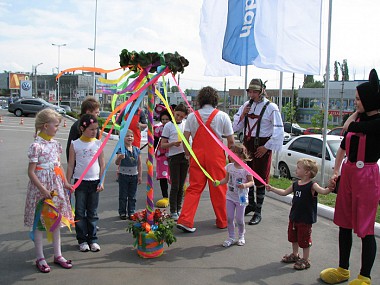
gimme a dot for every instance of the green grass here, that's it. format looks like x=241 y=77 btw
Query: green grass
x=328 y=200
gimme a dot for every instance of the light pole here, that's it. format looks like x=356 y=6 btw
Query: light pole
x=35 y=78
x=59 y=54
x=93 y=49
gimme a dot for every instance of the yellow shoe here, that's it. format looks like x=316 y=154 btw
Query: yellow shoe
x=361 y=280
x=335 y=275
x=162 y=203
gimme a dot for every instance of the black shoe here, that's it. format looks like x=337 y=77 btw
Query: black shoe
x=123 y=217
x=248 y=209
x=255 y=220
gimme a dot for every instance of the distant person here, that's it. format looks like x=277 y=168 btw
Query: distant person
x=82 y=151
x=130 y=175
x=161 y=154
x=359 y=188
x=210 y=155
x=47 y=181
x=303 y=212
x=89 y=106
x=263 y=133
x=239 y=180
x=178 y=161
x=137 y=124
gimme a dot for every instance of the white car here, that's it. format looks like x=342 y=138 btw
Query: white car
x=308 y=146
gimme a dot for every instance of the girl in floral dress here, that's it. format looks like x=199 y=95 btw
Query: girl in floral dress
x=47 y=179
x=162 y=165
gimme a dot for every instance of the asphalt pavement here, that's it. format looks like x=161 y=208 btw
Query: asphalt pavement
x=196 y=258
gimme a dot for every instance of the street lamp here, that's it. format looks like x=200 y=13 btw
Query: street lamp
x=35 y=78
x=94 y=48
x=59 y=54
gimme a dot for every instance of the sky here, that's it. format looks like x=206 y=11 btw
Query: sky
x=28 y=29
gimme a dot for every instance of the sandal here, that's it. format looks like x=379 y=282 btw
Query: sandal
x=44 y=268
x=229 y=242
x=302 y=264
x=290 y=258
x=63 y=262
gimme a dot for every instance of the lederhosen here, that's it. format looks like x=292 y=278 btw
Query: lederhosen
x=260 y=165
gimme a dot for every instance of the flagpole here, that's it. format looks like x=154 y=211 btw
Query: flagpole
x=276 y=173
x=325 y=119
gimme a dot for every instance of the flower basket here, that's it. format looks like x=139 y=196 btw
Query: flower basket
x=150 y=238
x=148 y=246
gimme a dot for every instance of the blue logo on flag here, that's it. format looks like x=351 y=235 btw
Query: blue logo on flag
x=239 y=42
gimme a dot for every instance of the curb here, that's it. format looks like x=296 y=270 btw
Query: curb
x=323 y=210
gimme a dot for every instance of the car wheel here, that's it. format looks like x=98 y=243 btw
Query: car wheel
x=18 y=113
x=284 y=170
x=241 y=137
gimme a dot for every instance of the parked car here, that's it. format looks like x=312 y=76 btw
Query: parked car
x=104 y=114
x=338 y=131
x=27 y=106
x=308 y=146
x=310 y=131
x=66 y=107
x=287 y=137
x=293 y=128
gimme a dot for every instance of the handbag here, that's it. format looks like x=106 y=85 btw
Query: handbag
x=336 y=185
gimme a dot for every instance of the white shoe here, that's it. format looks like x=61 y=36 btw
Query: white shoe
x=95 y=247
x=241 y=242
x=186 y=229
x=174 y=216
x=83 y=247
x=228 y=242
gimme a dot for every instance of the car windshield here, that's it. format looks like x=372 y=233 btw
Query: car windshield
x=296 y=126
x=334 y=146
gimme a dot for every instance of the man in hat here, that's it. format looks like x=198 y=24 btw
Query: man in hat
x=359 y=190
x=263 y=133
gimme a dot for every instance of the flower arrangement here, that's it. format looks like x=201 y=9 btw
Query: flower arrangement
x=160 y=230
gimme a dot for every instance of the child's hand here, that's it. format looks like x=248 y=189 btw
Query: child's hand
x=100 y=187
x=45 y=193
x=268 y=187
x=216 y=183
x=121 y=156
x=139 y=180
x=177 y=143
x=69 y=187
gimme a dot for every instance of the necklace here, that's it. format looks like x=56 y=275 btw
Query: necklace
x=83 y=138
x=45 y=136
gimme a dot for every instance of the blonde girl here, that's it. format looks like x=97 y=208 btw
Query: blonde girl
x=239 y=181
x=47 y=178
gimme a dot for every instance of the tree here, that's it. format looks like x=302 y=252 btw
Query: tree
x=289 y=111
x=309 y=82
x=319 y=114
x=174 y=89
x=336 y=71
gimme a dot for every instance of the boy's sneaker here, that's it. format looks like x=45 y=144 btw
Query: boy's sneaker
x=83 y=247
x=95 y=247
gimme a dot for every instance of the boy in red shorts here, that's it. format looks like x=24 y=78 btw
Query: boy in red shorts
x=303 y=212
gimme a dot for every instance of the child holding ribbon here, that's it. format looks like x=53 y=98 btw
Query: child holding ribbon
x=81 y=153
x=47 y=183
x=130 y=175
x=239 y=181
x=162 y=164
x=178 y=161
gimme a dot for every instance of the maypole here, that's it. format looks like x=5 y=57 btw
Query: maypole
x=149 y=183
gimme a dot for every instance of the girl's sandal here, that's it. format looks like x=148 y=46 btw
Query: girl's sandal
x=290 y=258
x=62 y=262
x=44 y=268
x=302 y=264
